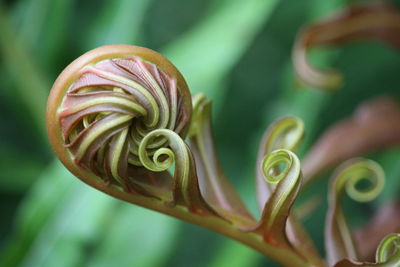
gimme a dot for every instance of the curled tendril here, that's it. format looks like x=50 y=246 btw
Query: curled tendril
x=389 y=249
x=387 y=254
x=276 y=211
x=373 y=19
x=338 y=239
x=185 y=187
x=357 y=171
x=375 y=123
x=271 y=163
x=288 y=181
x=155 y=163
x=285 y=133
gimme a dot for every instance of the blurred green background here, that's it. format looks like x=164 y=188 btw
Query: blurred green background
x=237 y=52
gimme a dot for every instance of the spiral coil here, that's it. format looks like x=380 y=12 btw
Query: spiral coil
x=111 y=107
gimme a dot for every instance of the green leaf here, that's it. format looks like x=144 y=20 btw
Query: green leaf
x=13 y=178
x=235 y=254
x=137 y=237
x=48 y=193
x=25 y=73
x=42 y=28
x=118 y=22
x=207 y=52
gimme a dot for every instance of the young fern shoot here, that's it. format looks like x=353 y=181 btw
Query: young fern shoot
x=118 y=117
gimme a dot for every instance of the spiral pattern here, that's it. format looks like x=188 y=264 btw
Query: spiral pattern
x=288 y=183
x=339 y=243
x=111 y=107
x=389 y=250
x=353 y=172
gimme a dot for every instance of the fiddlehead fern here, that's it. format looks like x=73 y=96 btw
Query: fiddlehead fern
x=120 y=113
x=276 y=210
x=285 y=133
x=338 y=238
x=117 y=118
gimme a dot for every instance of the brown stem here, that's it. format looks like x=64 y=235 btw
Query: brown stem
x=215 y=224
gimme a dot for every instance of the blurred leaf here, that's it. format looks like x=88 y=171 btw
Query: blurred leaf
x=46 y=196
x=31 y=83
x=390 y=163
x=235 y=254
x=295 y=98
x=63 y=219
x=141 y=237
x=73 y=228
x=295 y=101
x=13 y=178
x=31 y=15
x=58 y=204
x=119 y=22
x=175 y=17
x=43 y=24
x=206 y=54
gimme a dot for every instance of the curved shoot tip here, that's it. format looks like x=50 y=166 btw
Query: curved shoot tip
x=376 y=19
x=285 y=133
x=389 y=249
x=349 y=177
x=281 y=167
x=387 y=254
x=356 y=171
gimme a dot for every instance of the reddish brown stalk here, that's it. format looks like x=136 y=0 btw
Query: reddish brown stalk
x=370 y=20
x=375 y=125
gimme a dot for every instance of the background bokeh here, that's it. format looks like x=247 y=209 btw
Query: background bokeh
x=237 y=52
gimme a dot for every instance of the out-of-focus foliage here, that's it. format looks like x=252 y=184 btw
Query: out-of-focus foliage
x=237 y=52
